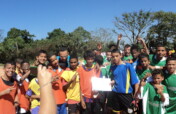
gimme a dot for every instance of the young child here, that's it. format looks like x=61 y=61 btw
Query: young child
x=170 y=79
x=23 y=82
x=8 y=90
x=143 y=71
x=18 y=62
x=57 y=85
x=127 y=54
x=124 y=78
x=33 y=93
x=154 y=94
x=86 y=72
x=158 y=61
x=72 y=86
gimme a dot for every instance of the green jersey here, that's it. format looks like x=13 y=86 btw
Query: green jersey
x=170 y=82
x=152 y=103
x=155 y=62
x=142 y=72
x=104 y=72
x=128 y=58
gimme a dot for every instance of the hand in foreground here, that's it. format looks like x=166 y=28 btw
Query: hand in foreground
x=44 y=76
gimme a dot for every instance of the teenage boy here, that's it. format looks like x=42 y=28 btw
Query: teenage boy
x=63 y=57
x=23 y=82
x=72 y=86
x=124 y=78
x=127 y=54
x=169 y=81
x=57 y=85
x=135 y=51
x=158 y=61
x=86 y=72
x=41 y=58
x=8 y=90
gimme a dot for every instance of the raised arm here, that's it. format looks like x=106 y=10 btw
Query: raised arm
x=47 y=102
x=118 y=40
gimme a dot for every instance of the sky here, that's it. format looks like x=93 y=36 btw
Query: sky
x=42 y=16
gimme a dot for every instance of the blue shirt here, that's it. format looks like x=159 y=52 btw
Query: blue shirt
x=135 y=63
x=66 y=64
x=125 y=77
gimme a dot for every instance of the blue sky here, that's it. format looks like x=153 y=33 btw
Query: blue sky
x=42 y=16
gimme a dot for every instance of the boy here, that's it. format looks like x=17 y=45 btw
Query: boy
x=41 y=58
x=57 y=85
x=33 y=93
x=18 y=62
x=127 y=55
x=154 y=94
x=135 y=51
x=63 y=57
x=22 y=79
x=143 y=70
x=8 y=90
x=72 y=86
x=158 y=61
x=170 y=79
x=104 y=70
x=124 y=78
x=86 y=72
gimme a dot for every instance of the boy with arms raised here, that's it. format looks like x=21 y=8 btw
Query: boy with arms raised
x=170 y=79
x=8 y=90
x=72 y=86
x=124 y=78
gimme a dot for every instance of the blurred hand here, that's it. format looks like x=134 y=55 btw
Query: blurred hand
x=8 y=90
x=119 y=37
x=44 y=76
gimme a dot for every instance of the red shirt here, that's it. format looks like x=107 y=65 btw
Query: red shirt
x=85 y=80
x=7 y=100
x=59 y=94
x=23 y=100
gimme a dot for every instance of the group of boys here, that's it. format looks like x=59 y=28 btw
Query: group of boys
x=140 y=82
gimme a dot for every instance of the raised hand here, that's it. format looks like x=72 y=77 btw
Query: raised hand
x=119 y=37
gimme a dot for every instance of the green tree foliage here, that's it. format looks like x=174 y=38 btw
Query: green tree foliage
x=133 y=24
x=24 y=34
x=55 y=33
x=164 y=27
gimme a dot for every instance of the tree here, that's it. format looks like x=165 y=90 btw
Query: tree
x=55 y=33
x=1 y=36
x=164 y=28
x=102 y=35
x=24 y=34
x=134 y=24
x=79 y=38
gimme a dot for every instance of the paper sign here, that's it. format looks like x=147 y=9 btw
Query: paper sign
x=101 y=84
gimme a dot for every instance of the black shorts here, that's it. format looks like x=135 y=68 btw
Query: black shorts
x=121 y=101
x=73 y=108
